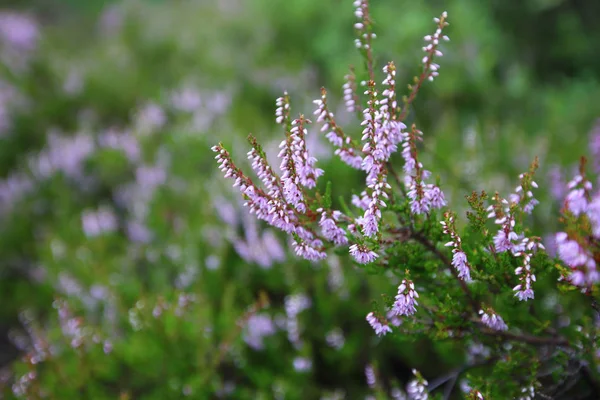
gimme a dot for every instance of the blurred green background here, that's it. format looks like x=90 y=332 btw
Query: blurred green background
x=117 y=232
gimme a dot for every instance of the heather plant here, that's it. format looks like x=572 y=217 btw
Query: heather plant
x=131 y=270
x=524 y=323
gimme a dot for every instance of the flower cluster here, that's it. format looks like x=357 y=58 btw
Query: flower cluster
x=505 y=213
x=459 y=257
x=492 y=320
x=346 y=150
x=287 y=202
x=576 y=247
x=406 y=299
x=417 y=388
x=380 y=325
x=423 y=197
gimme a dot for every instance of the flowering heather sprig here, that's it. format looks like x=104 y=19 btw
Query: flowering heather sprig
x=263 y=170
x=417 y=388
x=523 y=195
x=431 y=49
x=459 y=257
x=380 y=325
x=282 y=112
x=406 y=299
x=330 y=229
x=259 y=203
x=423 y=197
x=578 y=258
x=370 y=220
x=381 y=136
x=492 y=320
x=361 y=201
x=362 y=254
x=303 y=162
x=363 y=26
x=389 y=105
x=345 y=149
x=579 y=192
x=430 y=68
x=291 y=181
x=524 y=290
x=503 y=214
x=370 y=375
x=576 y=247
x=350 y=96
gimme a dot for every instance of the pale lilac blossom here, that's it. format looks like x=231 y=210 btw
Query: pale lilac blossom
x=406 y=299
x=380 y=326
x=417 y=387
x=492 y=320
x=362 y=254
x=459 y=257
x=330 y=228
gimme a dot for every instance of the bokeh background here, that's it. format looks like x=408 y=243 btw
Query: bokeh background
x=128 y=268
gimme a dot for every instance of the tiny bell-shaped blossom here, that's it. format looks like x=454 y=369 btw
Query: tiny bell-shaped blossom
x=282 y=112
x=577 y=198
x=379 y=325
x=417 y=388
x=431 y=48
x=362 y=254
x=350 y=92
x=330 y=229
x=492 y=320
x=406 y=299
x=459 y=257
x=370 y=375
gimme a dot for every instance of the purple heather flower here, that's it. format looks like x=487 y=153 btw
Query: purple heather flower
x=370 y=375
x=380 y=328
x=435 y=196
x=349 y=93
x=570 y=252
x=576 y=201
x=331 y=231
x=258 y=327
x=393 y=318
x=362 y=201
x=417 y=388
x=492 y=320
x=308 y=252
x=504 y=242
x=459 y=257
x=406 y=299
x=459 y=261
x=579 y=259
x=362 y=254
